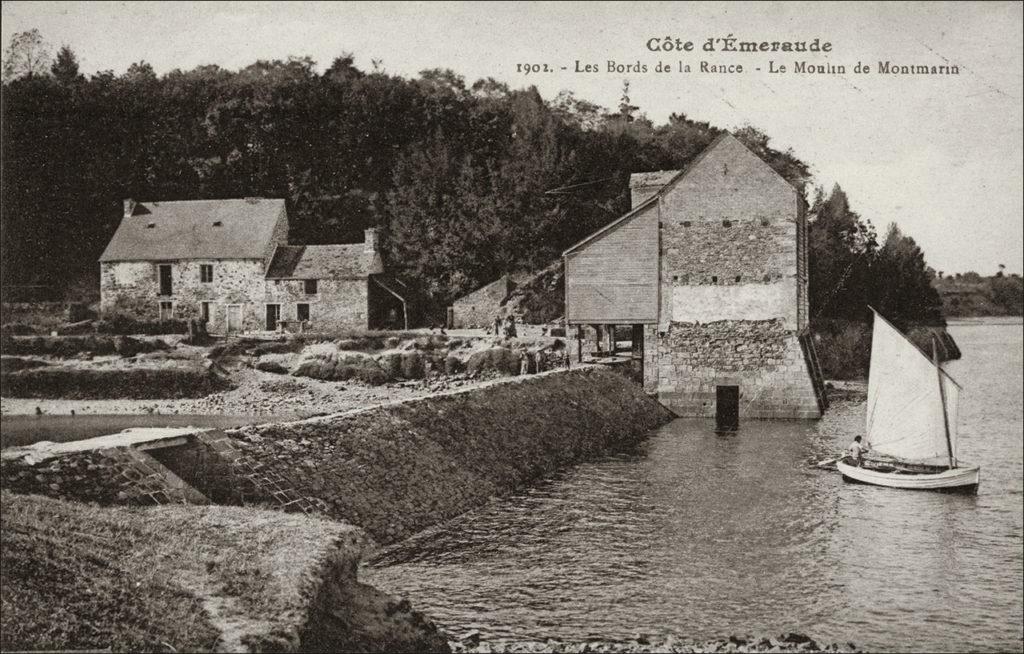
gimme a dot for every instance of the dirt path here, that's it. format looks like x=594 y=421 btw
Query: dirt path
x=257 y=393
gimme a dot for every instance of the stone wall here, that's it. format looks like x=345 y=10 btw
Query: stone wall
x=762 y=357
x=133 y=287
x=479 y=308
x=107 y=476
x=337 y=304
x=393 y=469
x=397 y=469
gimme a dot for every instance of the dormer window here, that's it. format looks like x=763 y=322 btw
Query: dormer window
x=310 y=286
x=150 y=225
x=217 y=223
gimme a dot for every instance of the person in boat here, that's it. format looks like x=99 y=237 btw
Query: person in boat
x=857 y=450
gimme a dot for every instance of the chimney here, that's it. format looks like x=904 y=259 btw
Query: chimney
x=371 y=241
x=129 y=207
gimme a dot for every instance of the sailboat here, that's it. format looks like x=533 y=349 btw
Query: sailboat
x=911 y=426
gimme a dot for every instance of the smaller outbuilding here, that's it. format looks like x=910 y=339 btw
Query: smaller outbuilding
x=479 y=309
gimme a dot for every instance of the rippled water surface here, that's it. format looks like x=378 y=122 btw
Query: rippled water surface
x=705 y=535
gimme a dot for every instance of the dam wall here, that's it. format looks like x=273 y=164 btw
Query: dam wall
x=393 y=469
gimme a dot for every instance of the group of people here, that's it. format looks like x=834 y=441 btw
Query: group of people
x=505 y=328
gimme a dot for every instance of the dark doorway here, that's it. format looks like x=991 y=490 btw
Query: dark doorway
x=727 y=408
x=273 y=315
x=637 y=352
x=165 y=279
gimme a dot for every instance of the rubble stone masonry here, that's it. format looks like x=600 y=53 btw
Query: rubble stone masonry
x=133 y=287
x=761 y=357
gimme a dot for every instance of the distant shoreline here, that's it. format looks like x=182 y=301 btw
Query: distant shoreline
x=984 y=320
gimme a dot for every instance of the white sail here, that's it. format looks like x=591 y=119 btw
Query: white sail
x=905 y=415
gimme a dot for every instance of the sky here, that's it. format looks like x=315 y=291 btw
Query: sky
x=941 y=155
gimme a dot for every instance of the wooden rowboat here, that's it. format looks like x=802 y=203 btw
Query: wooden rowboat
x=965 y=478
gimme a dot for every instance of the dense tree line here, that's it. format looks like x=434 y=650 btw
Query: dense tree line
x=468 y=181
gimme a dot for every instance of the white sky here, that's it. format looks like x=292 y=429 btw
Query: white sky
x=940 y=155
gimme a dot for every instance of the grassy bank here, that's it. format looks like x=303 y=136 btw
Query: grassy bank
x=189 y=579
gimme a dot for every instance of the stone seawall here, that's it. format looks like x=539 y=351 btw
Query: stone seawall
x=396 y=469
x=393 y=469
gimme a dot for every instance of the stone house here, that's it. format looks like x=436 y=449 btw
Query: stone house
x=479 y=308
x=228 y=263
x=709 y=268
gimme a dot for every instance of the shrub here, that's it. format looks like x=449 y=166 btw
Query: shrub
x=121 y=324
x=392 y=364
x=17 y=329
x=495 y=359
x=452 y=365
x=331 y=368
x=138 y=383
x=271 y=366
x=13 y=364
x=69 y=346
x=412 y=365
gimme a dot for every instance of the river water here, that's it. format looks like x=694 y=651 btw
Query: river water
x=704 y=535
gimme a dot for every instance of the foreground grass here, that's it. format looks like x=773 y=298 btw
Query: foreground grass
x=162 y=579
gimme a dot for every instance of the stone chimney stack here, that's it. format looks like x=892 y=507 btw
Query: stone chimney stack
x=371 y=241
x=129 y=207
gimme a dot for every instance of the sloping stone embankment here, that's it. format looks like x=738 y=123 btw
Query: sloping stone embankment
x=396 y=469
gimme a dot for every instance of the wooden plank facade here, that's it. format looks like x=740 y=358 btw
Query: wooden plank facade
x=612 y=277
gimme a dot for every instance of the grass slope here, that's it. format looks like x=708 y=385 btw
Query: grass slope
x=189 y=578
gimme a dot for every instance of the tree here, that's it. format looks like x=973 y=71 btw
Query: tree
x=903 y=291
x=65 y=66
x=28 y=55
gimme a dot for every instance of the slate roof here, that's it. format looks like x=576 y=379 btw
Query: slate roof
x=348 y=261
x=187 y=230
x=656 y=178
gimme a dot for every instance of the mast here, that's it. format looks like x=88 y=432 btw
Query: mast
x=942 y=396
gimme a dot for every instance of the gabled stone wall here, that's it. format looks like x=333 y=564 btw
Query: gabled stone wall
x=479 y=308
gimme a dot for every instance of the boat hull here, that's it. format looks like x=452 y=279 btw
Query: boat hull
x=964 y=479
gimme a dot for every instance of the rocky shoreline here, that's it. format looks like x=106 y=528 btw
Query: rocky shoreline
x=791 y=642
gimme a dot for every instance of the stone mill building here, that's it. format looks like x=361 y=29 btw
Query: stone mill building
x=709 y=268
x=229 y=264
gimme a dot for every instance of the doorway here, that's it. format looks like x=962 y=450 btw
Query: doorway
x=234 y=318
x=727 y=408
x=273 y=315
x=165 y=279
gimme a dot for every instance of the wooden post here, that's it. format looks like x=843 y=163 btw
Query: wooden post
x=942 y=396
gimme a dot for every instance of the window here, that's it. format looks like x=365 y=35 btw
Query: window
x=764 y=222
x=166 y=310
x=739 y=278
x=204 y=311
x=310 y=285
x=206 y=272
x=714 y=280
x=217 y=223
x=726 y=223
x=686 y=223
x=302 y=311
